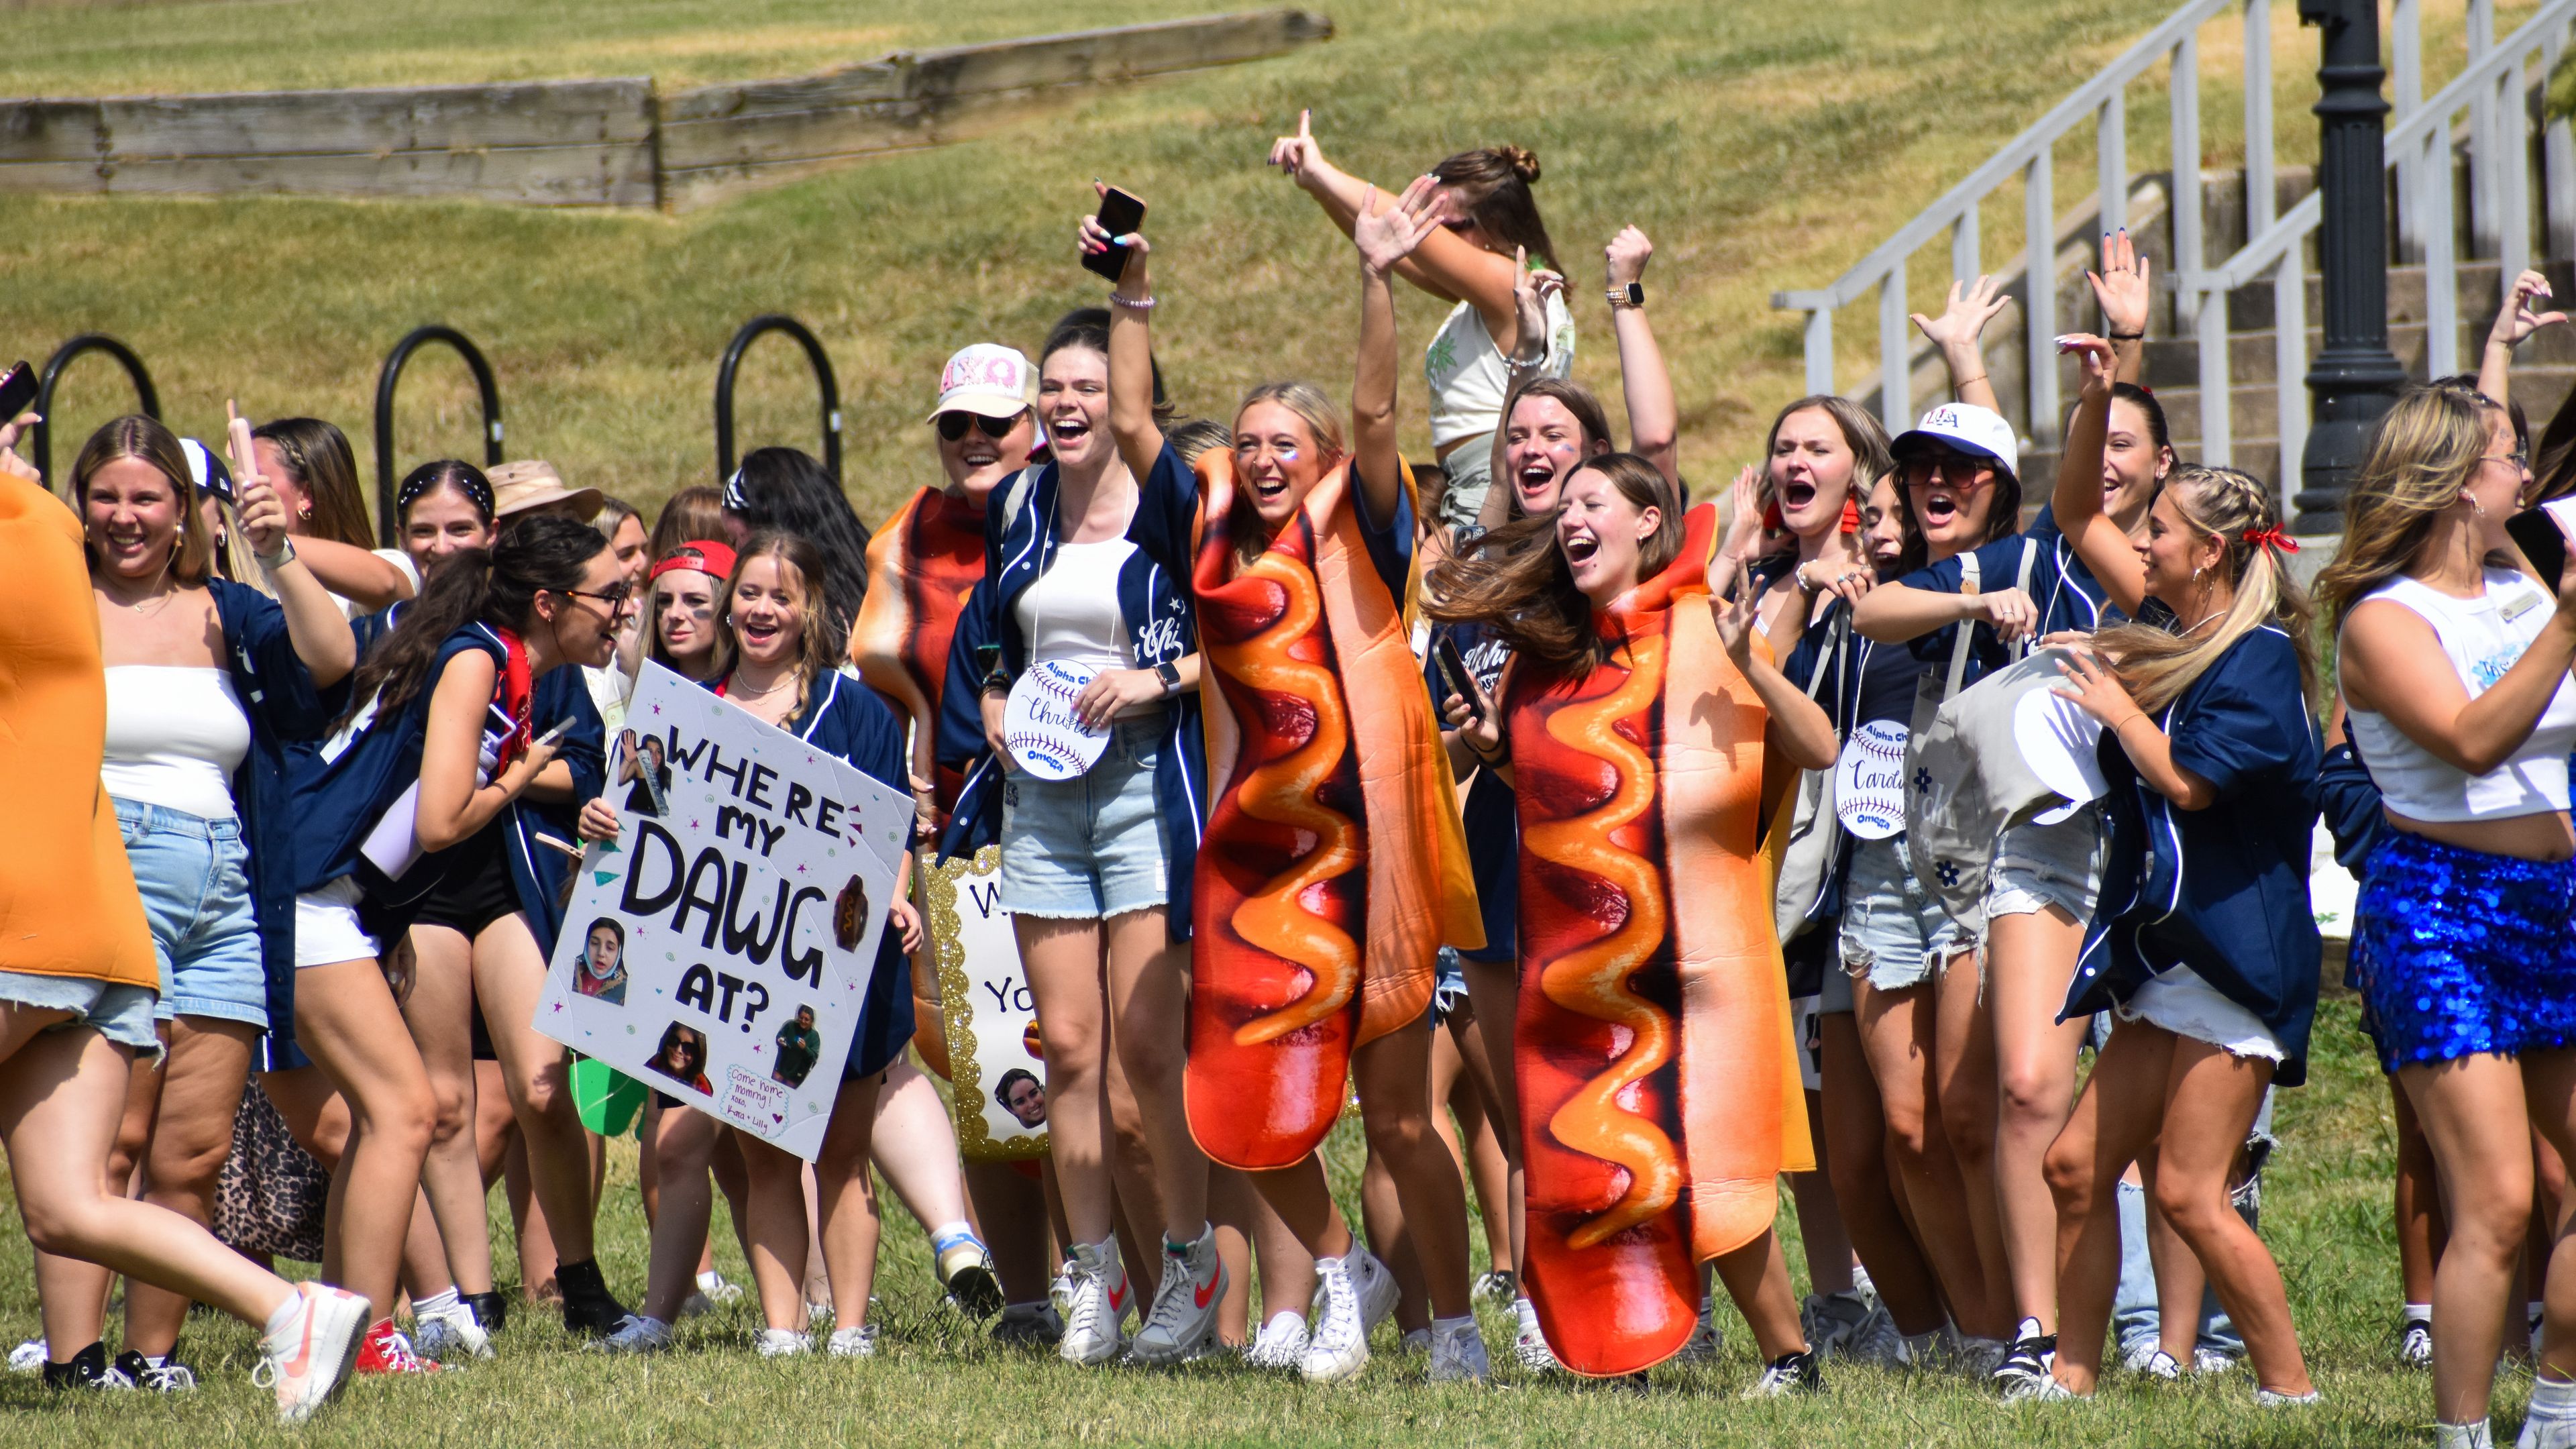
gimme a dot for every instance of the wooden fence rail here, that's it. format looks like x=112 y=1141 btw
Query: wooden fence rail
x=596 y=142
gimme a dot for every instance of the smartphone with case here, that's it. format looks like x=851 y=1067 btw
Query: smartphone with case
x=2535 y=531
x=1120 y=213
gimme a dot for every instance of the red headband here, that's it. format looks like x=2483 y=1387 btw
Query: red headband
x=707 y=557
x=2272 y=536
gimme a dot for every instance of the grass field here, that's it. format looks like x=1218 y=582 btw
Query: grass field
x=1761 y=145
x=2325 y=1213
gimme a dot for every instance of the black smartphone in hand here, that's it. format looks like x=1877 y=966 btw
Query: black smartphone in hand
x=1453 y=672
x=2535 y=531
x=17 y=390
x=1120 y=213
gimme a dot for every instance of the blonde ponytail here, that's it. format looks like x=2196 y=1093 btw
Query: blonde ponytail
x=2157 y=665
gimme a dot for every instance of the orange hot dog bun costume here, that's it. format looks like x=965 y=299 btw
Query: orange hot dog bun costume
x=1659 y=1089
x=1333 y=866
x=921 y=567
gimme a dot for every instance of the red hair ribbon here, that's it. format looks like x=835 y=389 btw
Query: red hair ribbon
x=2272 y=536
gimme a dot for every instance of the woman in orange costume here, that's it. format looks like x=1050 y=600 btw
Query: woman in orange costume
x=1331 y=820
x=1658 y=1085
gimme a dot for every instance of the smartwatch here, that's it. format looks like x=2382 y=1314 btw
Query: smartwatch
x=1632 y=295
x=1170 y=674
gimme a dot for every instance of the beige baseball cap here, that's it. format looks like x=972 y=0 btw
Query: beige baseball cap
x=531 y=485
x=985 y=378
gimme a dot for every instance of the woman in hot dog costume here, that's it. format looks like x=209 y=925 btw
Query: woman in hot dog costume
x=1659 y=1090
x=1331 y=821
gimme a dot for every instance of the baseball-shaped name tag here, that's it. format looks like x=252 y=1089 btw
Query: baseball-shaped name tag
x=1869 y=780
x=1038 y=723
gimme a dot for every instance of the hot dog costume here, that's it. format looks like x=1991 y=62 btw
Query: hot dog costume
x=1333 y=867
x=1659 y=1087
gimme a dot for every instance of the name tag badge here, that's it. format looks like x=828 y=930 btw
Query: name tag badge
x=2522 y=604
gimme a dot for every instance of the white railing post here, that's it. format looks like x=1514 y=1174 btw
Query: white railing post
x=2290 y=366
x=2261 y=195
x=2039 y=304
x=1820 y=350
x=2406 y=44
x=1964 y=266
x=2558 y=160
x=2183 y=202
x=2211 y=323
x=2441 y=276
x=2513 y=175
x=1895 y=378
x=2111 y=160
x=2485 y=226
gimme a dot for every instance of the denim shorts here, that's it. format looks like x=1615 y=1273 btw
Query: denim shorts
x=1470 y=470
x=2038 y=866
x=122 y=1014
x=1091 y=847
x=1892 y=932
x=194 y=874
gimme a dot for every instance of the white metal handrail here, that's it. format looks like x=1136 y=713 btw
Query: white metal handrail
x=2490 y=89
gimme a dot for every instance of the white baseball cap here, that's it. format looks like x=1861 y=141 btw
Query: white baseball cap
x=986 y=378
x=1969 y=429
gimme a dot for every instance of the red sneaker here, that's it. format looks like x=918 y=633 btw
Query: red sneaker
x=387 y=1351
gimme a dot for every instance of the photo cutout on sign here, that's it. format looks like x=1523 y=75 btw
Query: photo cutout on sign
x=799 y=1047
x=600 y=973
x=683 y=1057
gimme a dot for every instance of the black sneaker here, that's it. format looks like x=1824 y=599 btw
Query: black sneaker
x=167 y=1377
x=491 y=1310
x=2415 y=1343
x=587 y=1305
x=88 y=1369
x=1790 y=1373
x=2026 y=1360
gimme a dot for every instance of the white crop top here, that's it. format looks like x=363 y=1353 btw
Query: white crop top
x=1467 y=375
x=175 y=734
x=2483 y=637
x=1071 y=613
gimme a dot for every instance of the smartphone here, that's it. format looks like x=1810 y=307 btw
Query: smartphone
x=555 y=734
x=1453 y=672
x=2537 y=534
x=1120 y=213
x=17 y=391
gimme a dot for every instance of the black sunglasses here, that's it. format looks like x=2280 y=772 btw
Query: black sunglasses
x=952 y=426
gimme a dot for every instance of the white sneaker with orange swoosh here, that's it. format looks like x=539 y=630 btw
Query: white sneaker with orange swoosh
x=1096 y=1301
x=1183 y=1319
x=309 y=1358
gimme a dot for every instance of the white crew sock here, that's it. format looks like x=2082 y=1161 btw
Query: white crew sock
x=1282 y=1321
x=1463 y=1323
x=2463 y=1436
x=281 y=1324
x=434 y=1304
x=2419 y=1313
x=2553 y=1398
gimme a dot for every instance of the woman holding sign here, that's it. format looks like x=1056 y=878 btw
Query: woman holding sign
x=1322 y=897
x=442 y=725
x=2204 y=946
x=784 y=673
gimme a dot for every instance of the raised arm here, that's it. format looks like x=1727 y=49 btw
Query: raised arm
x=1131 y=350
x=1447 y=266
x=2077 y=503
x=1385 y=235
x=2121 y=290
x=2514 y=323
x=1956 y=332
x=314 y=624
x=1654 y=422
x=1799 y=726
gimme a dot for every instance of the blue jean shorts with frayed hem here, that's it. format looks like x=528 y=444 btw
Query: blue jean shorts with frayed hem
x=1091 y=847
x=194 y=875
x=122 y=1014
x=1893 y=932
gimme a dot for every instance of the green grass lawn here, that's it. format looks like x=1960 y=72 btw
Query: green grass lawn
x=1762 y=145
x=2325 y=1213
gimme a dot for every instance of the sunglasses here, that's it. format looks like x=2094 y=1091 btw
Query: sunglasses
x=1954 y=470
x=953 y=426
x=614 y=597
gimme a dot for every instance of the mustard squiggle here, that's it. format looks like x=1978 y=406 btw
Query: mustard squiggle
x=1592 y=981
x=1282 y=792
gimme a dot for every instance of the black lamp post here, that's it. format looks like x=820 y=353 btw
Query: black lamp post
x=2355 y=378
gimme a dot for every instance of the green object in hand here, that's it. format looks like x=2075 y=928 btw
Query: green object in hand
x=610 y=1102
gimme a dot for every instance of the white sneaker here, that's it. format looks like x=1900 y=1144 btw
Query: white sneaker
x=29 y=1357
x=783 y=1343
x=2046 y=1391
x=1280 y=1344
x=1831 y=1319
x=713 y=1287
x=1338 y=1347
x=450 y=1333
x=1183 y=1318
x=310 y=1360
x=1096 y=1299
x=2161 y=1365
x=1790 y=1373
x=2274 y=1399
x=2537 y=1432
x=635 y=1333
x=1529 y=1346
x=2211 y=1361
x=2414 y=1344
x=1416 y=1340
x=1377 y=1286
x=859 y=1342
x=1458 y=1354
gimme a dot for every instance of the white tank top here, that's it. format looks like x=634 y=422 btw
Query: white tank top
x=1467 y=376
x=175 y=735
x=1071 y=613
x=2482 y=637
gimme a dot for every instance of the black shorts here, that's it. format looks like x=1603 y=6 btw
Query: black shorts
x=476 y=890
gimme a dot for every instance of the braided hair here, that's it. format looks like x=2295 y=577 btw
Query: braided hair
x=2158 y=664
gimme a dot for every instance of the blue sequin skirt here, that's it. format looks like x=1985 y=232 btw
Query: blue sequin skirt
x=2462 y=953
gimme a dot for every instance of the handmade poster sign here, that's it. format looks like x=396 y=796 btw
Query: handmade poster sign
x=1038 y=723
x=993 y=1060
x=719 y=951
x=1869 y=780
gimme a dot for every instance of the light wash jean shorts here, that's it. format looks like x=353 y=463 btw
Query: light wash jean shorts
x=194 y=874
x=1892 y=932
x=2038 y=866
x=122 y=1014
x=1470 y=470
x=1091 y=847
